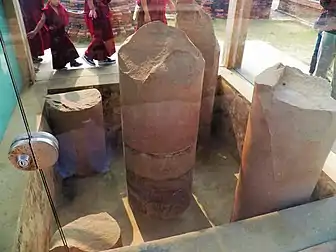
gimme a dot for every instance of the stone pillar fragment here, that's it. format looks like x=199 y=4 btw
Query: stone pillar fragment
x=290 y=132
x=95 y=232
x=161 y=75
x=197 y=24
x=76 y=119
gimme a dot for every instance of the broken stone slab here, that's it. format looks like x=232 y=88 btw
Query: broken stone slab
x=290 y=132
x=161 y=74
x=197 y=24
x=76 y=119
x=95 y=232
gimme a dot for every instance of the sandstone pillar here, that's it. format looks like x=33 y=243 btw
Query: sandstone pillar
x=76 y=119
x=193 y=20
x=161 y=75
x=291 y=129
x=95 y=232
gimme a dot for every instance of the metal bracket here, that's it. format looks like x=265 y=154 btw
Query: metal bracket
x=44 y=146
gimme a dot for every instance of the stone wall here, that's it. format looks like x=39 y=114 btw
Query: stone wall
x=231 y=111
x=261 y=9
x=308 y=10
x=112 y=112
x=121 y=19
x=36 y=220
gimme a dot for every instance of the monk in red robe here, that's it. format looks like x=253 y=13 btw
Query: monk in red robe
x=97 y=17
x=153 y=10
x=56 y=17
x=32 y=12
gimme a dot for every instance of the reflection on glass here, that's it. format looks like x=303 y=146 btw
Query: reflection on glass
x=12 y=181
x=286 y=36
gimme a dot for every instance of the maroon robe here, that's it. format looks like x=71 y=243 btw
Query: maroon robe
x=102 y=44
x=157 y=11
x=32 y=12
x=62 y=49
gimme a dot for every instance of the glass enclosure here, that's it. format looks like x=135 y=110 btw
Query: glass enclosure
x=12 y=182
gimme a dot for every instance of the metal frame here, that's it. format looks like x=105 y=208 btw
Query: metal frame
x=236 y=32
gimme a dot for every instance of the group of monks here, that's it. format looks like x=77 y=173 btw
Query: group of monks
x=45 y=25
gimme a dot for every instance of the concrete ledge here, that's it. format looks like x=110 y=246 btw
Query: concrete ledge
x=288 y=230
x=325 y=247
x=77 y=79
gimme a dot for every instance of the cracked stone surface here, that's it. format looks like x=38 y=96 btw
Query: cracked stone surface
x=161 y=75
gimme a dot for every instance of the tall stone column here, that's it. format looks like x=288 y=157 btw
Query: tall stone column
x=291 y=129
x=161 y=75
x=197 y=24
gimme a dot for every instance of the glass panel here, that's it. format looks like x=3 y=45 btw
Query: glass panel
x=300 y=34
x=283 y=31
x=12 y=181
x=80 y=106
x=127 y=139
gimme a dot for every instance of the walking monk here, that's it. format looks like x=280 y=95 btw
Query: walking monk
x=55 y=17
x=32 y=12
x=153 y=10
x=97 y=17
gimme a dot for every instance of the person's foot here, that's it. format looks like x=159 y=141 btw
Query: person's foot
x=69 y=188
x=37 y=60
x=61 y=68
x=89 y=61
x=106 y=61
x=75 y=64
x=36 y=69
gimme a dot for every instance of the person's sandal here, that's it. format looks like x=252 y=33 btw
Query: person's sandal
x=61 y=68
x=75 y=64
x=106 y=61
x=37 y=60
x=89 y=61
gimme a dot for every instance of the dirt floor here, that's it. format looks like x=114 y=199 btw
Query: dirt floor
x=213 y=190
